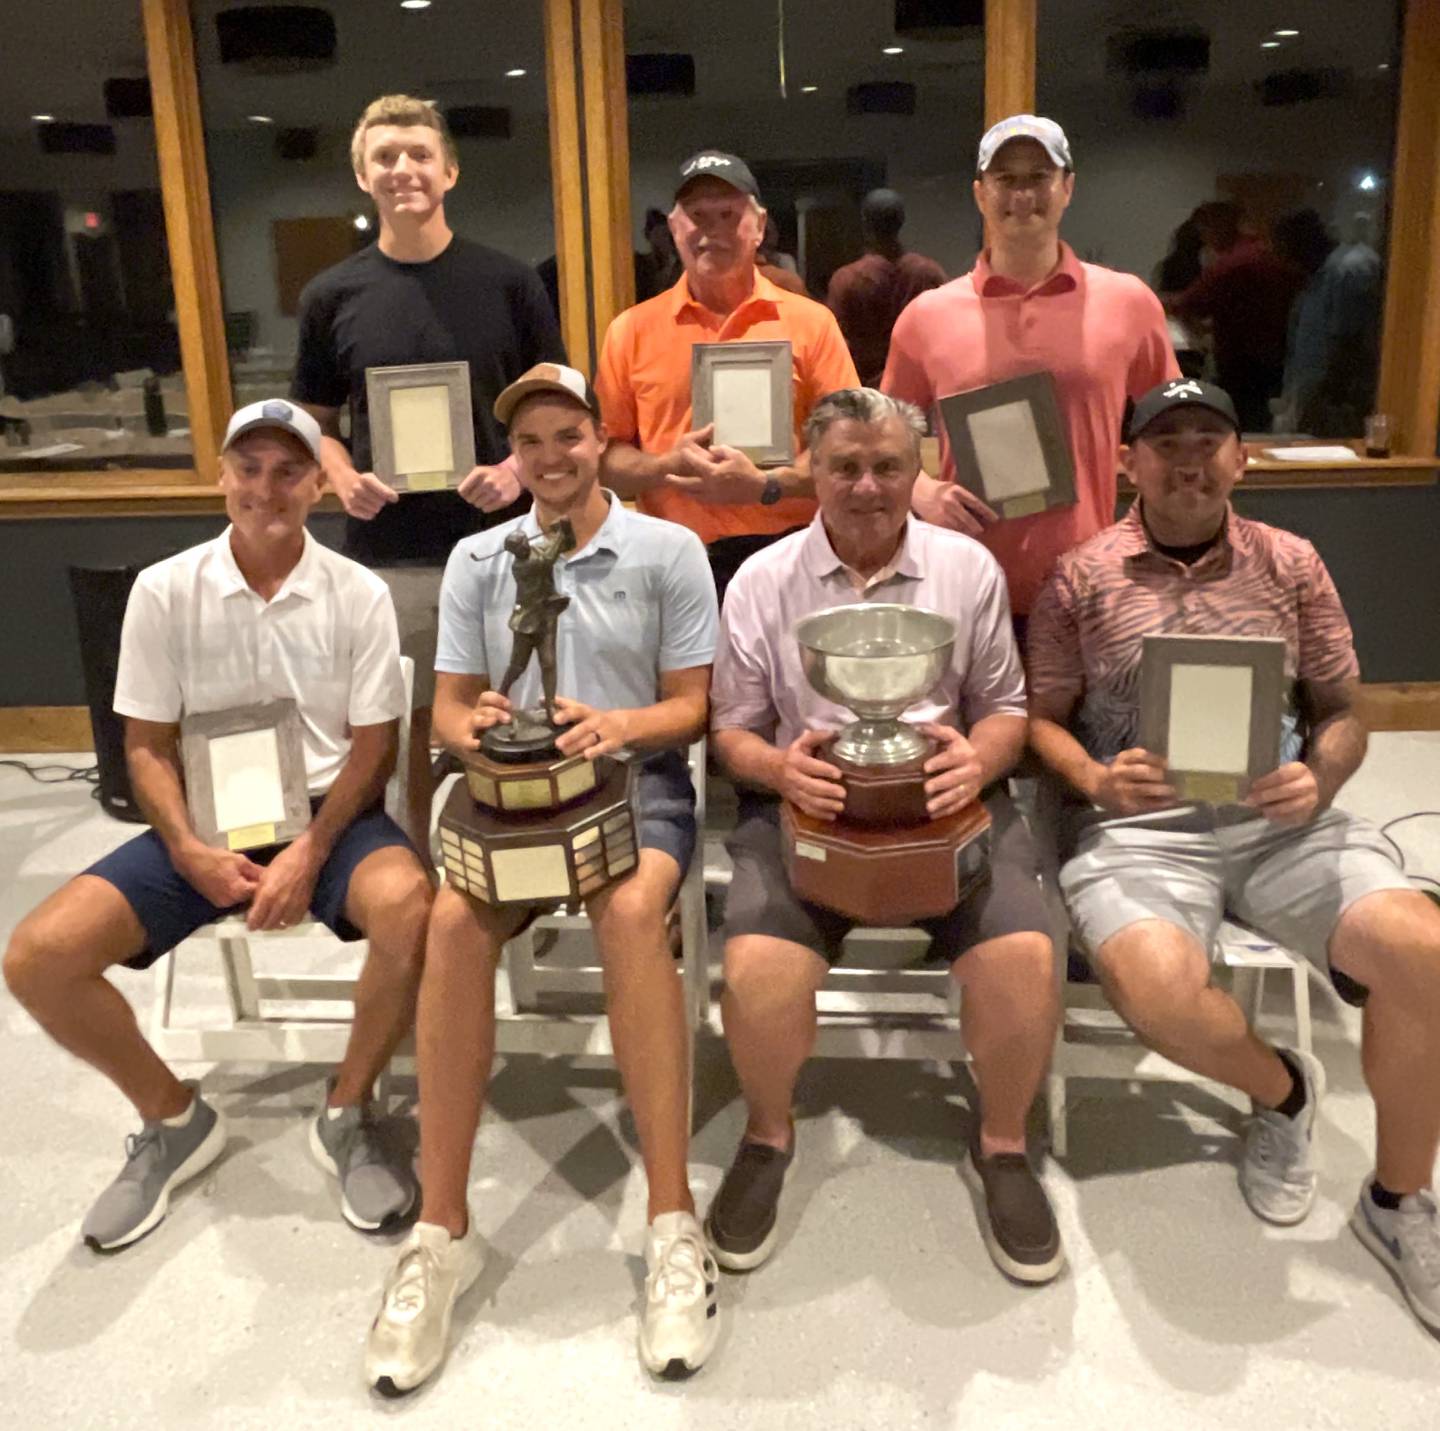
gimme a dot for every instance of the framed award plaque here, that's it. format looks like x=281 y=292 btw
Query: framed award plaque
x=422 y=436
x=744 y=389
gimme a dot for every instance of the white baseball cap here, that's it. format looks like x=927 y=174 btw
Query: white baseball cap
x=1044 y=132
x=274 y=412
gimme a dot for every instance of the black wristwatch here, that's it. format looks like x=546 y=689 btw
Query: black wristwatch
x=771 y=492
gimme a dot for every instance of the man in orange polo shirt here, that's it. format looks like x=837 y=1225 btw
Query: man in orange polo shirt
x=1029 y=305
x=656 y=455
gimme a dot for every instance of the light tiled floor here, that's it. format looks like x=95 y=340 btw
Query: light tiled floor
x=249 y=1305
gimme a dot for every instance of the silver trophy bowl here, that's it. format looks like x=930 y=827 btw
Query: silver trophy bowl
x=876 y=659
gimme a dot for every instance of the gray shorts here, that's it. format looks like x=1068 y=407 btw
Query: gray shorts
x=415 y=590
x=761 y=900
x=1291 y=884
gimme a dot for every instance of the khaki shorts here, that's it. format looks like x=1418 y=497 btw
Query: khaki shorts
x=1291 y=884
x=415 y=590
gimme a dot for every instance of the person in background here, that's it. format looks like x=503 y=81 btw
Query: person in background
x=867 y=296
x=419 y=294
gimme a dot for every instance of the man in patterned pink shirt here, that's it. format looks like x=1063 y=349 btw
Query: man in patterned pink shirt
x=1149 y=878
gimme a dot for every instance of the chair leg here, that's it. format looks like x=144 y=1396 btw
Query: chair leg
x=1300 y=976
x=1249 y=989
x=1058 y=1113
x=239 y=978
x=520 y=965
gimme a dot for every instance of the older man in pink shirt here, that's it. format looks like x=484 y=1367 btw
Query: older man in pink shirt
x=767 y=724
x=1029 y=305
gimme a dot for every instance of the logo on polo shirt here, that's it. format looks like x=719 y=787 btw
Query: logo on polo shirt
x=1183 y=387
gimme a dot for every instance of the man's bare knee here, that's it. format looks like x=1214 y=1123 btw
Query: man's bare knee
x=759 y=969
x=1150 y=967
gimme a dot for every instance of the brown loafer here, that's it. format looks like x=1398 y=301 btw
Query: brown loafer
x=743 y=1222
x=1016 y=1219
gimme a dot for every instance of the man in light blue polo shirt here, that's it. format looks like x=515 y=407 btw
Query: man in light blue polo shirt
x=633 y=649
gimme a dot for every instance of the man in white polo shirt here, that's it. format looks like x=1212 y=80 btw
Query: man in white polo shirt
x=633 y=651
x=263 y=612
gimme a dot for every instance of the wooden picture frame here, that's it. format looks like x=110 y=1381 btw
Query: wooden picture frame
x=422 y=429
x=1213 y=707
x=745 y=390
x=1010 y=446
x=245 y=782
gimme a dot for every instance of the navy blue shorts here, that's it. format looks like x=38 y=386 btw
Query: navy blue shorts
x=170 y=909
x=665 y=807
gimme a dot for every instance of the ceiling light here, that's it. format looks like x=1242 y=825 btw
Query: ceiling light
x=361 y=222
x=515 y=74
x=414 y=4
x=893 y=50
x=1383 y=66
x=1368 y=183
x=42 y=119
x=1286 y=34
x=259 y=119
x=1269 y=44
x=808 y=88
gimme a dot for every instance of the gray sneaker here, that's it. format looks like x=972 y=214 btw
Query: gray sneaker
x=157 y=1160
x=376 y=1187
x=1407 y=1242
x=1277 y=1174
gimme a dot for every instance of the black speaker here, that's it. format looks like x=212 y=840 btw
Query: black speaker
x=276 y=39
x=128 y=98
x=1301 y=86
x=100 y=594
x=75 y=138
x=938 y=19
x=660 y=74
x=296 y=143
x=880 y=97
x=478 y=121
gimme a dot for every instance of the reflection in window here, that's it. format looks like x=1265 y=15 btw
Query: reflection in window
x=1244 y=172
x=838 y=102
x=281 y=98
x=89 y=355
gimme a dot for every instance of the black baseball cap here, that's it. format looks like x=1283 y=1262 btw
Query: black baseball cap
x=1181 y=392
x=716 y=164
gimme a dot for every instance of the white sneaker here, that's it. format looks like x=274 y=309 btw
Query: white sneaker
x=1277 y=1174
x=680 y=1321
x=1407 y=1242
x=411 y=1331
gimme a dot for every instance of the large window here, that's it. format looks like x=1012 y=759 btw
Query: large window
x=1238 y=158
x=280 y=101
x=826 y=102
x=89 y=357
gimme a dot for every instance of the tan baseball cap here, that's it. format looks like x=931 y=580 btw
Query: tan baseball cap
x=546 y=378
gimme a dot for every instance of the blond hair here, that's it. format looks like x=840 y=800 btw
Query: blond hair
x=401 y=110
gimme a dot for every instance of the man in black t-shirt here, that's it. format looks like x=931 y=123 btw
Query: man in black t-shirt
x=419 y=294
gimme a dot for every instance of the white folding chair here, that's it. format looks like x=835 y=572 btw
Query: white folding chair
x=286 y=1018
x=1094 y=1042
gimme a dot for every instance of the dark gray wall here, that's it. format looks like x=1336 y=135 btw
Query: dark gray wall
x=1379 y=543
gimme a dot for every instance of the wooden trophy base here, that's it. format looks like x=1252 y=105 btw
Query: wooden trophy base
x=883 y=795
x=891 y=875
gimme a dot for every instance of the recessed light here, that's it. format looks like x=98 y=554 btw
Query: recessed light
x=361 y=222
x=259 y=119
x=1383 y=66
x=1286 y=34
x=1269 y=44
x=414 y=4
x=42 y=119
x=808 y=88
x=1367 y=183
x=893 y=50
x=515 y=74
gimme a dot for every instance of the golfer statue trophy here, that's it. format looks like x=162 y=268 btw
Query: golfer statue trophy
x=883 y=861
x=528 y=825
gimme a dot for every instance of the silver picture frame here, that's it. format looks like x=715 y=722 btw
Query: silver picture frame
x=1010 y=446
x=745 y=390
x=422 y=430
x=1213 y=708
x=245 y=782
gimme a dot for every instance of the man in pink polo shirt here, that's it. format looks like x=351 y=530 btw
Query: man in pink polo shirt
x=1029 y=305
x=768 y=724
